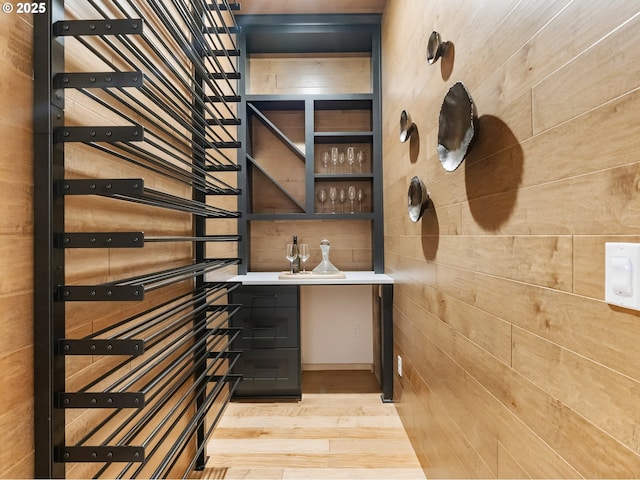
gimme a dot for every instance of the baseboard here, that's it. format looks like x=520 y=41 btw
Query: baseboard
x=337 y=366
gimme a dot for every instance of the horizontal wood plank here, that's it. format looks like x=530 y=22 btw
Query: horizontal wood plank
x=577 y=87
x=325 y=435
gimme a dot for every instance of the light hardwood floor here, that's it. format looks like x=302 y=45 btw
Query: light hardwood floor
x=330 y=435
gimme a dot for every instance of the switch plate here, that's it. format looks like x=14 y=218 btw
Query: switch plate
x=622 y=274
x=399 y=366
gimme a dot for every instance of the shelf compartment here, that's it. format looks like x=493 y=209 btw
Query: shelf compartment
x=343 y=115
x=343 y=183
x=276 y=156
x=317 y=72
x=342 y=144
x=275 y=183
x=255 y=110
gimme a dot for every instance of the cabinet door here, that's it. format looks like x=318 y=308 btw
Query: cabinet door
x=269 y=373
x=266 y=296
x=270 y=341
x=266 y=327
x=269 y=317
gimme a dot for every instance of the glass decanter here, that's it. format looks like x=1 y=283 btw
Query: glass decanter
x=325 y=266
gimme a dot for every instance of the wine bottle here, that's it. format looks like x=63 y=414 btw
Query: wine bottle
x=295 y=265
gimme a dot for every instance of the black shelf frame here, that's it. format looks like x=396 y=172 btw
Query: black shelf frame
x=304 y=34
x=312 y=216
x=198 y=318
x=343 y=176
x=255 y=112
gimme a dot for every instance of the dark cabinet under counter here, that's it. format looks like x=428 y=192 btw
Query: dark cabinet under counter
x=269 y=341
x=287 y=293
x=269 y=373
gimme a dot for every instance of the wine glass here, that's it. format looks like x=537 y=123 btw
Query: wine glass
x=292 y=254
x=322 y=196
x=341 y=160
x=342 y=197
x=334 y=159
x=303 y=251
x=352 y=195
x=350 y=158
x=360 y=198
x=325 y=161
x=333 y=195
x=360 y=159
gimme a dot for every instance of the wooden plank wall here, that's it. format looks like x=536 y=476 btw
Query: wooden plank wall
x=513 y=364
x=309 y=74
x=16 y=247
x=351 y=247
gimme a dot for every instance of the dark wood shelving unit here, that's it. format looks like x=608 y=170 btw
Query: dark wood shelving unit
x=294 y=35
x=279 y=132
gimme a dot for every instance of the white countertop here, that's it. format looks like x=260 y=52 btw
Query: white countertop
x=352 y=278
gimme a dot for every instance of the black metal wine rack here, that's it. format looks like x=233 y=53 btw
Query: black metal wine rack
x=169 y=80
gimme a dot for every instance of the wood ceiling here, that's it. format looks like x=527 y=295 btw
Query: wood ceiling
x=310 y=6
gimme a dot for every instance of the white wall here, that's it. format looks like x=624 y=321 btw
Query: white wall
x=336 y=325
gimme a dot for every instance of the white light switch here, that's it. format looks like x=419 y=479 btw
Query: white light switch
x=622 y=274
